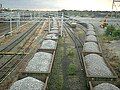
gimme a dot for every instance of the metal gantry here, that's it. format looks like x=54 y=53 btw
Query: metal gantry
x=115 y=7
x=18 y=16
x=114 y=4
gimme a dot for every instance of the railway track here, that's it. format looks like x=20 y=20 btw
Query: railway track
x=78 y=44
x=13 y=60
x=6 y=28
x=18 y=39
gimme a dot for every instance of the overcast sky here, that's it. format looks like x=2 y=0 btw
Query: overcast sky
x=58 y=4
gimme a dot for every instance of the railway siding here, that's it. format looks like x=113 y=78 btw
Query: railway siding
x=78 y=42
x=16 y=40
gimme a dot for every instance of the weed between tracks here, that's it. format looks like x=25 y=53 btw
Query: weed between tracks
x=65 y=72
x=56 y=78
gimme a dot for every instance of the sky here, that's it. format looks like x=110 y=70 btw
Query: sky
x=101 y=5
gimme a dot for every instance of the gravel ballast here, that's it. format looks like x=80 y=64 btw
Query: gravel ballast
x=90 y=26
x=91 y=47
x=48 y=44
x=106 y=86
x=54 y=32
x=90 y=33
x=54 y=28
x=96 y=66
x=40 y=62
x=91 y=38
x=27 y=83
x=51 y=36
x=90 y=29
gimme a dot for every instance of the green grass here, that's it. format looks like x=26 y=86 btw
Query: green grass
x=55 y=81
x=71 y=53
x=72 y=69
x=106 y=38
x=113 y=32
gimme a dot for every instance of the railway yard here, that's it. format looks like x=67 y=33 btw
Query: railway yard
x=49 y=53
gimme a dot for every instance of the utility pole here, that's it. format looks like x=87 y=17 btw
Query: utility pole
x=57 y=15
x=34 y=15
x=62 y=24
x=0 y=7
x=18 y=20
x=39 y=15
x=11 y=22
x=31 y=15
x=49 y=24
x=23 y=15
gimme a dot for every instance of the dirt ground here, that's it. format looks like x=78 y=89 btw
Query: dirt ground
x=114 y=46
x=111 y=52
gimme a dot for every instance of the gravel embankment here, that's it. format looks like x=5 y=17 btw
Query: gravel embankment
x=114 y=46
